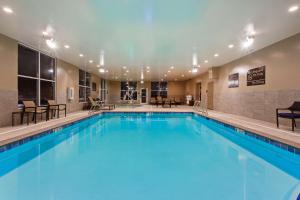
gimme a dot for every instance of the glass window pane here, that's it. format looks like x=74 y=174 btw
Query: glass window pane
x=27 y=89
x=28 y=60
x=154 y=93
x=164 y=94
x=124 y=85
x=47 y=91
x=47 y=67
x=154 y=85
x=88 y=92
x=163 y=85
x=81 y=77
x=88 y=79
x=81 y=94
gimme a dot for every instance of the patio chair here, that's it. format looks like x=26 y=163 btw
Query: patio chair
x=153 y=101
x=292 y=115
x=94 y=104
x=31 y=108
x=56 y=108
x=159 y=101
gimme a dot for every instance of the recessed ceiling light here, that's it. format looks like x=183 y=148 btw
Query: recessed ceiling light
x=148 y=67
x=45 y=33
x=162 y=79
x=169 y=71
x=216 y=55
x=67 y=46
x=206 y=61
x=7 y=10
x=106 y=71
x=293 y=8
x=194 y=70
x=127 y=71
x=80 y=55
x=148 y=71
x=172 y=67
x=182 y=75
x=98 y=65
x=230 y=46
x=101 y=70
x=165 y=75
x=91 y=61
x=124 y=67
x=249 y=41
x=190 y=71
x=51 y=43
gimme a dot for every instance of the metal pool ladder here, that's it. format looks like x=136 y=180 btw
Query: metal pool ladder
x=200 y=106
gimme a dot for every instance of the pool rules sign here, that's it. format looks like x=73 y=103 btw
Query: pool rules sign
x=256 y=76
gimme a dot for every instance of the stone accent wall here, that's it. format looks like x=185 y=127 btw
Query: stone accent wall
x=256 y=105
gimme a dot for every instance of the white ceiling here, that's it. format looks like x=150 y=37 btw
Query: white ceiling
x=155 y=33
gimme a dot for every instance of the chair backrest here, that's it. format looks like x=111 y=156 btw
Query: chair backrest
x=159 y=98
x=92 y=100
x=295 y=106
x=28 y=104
x=51 y=102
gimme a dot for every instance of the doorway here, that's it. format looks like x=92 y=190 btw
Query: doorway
x=210 y=95
x=144 y=96
x=198 y=91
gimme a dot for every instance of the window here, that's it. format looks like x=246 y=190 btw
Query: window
x=36 y=76
x=84 y=85
x=103 y=90
x=128 y=90
x=159 y=89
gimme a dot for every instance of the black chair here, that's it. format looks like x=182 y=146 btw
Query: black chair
x=293 y=114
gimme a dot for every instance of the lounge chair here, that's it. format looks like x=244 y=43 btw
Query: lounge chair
x=153 y=101
x=159 y=101
x=94 y=104
x=293 y=114
x=31 y=108
x=56 y=108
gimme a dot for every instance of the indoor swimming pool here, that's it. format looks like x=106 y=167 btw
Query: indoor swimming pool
x=149 y=156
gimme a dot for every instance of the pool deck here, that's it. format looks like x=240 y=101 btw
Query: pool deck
x=284 y=135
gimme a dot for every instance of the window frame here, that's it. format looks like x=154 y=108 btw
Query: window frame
x=84 y=86
x=38 y=78
x=128 y=83
x=159 y=91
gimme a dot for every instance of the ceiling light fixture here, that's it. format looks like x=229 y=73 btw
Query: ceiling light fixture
x=249 y=41
x=165 y=75
x=91 y=61
x=45 y=33
x=127 y=71
x=172 y=67
x=169 y=71
x=230 y=46
x=206 y=61
x=80 y=55
x=7 y=10
x=98 y=66
x=216 y=55
x=148 y=71
x=148 y=67
x=124 y=67
x=101 y=70
x=182 y=75
x=51 y=43
x=194 y=70
x=293 y=9
x=67 y=46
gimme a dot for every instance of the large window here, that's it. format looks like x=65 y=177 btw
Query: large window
x=159 y=89
x=128 y=90
x=103 y=90
x=36 y=76
x=84 y=85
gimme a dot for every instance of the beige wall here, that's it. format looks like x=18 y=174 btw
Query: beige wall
x=282 y=61
x=97 y=80
x=8 y=78
x=67 y=76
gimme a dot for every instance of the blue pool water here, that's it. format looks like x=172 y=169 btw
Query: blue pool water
x=148 y=157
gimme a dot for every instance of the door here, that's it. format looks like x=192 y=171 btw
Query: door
x=144 y=96
x=198 y=91
x=210 y=95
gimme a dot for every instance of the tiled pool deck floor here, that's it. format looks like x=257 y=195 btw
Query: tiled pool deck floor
x=11 y=134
